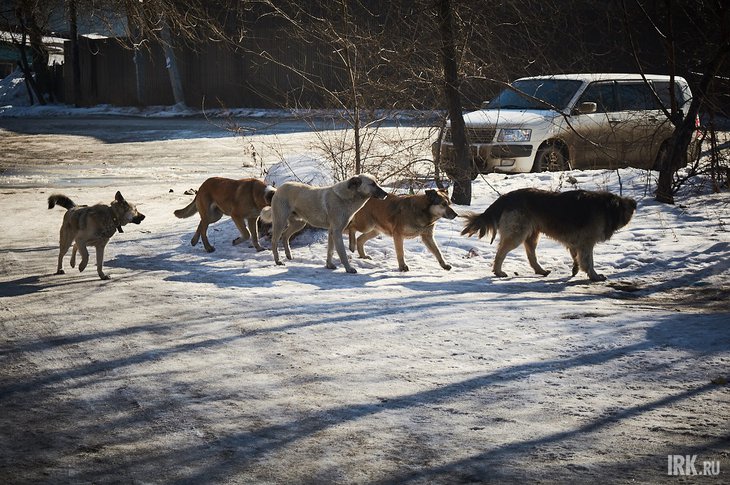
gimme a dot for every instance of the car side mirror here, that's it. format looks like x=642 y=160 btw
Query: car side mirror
x=586 y=108
x=485 y=104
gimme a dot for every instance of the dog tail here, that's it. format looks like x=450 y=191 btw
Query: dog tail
x=187 y=211
x=265 y=215
x=486 y=222
x=62 y=200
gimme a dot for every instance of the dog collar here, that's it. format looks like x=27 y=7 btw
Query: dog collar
x=116 y=223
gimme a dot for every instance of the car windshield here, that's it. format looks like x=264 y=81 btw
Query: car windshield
x=537 y=94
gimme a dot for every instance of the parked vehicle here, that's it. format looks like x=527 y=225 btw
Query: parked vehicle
x=581 y=121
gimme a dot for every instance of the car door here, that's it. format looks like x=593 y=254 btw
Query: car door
x=638 y=124
x=590 y=136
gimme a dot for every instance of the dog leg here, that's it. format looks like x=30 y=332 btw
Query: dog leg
x=207 y=217
x=295 y=225
x=585 y=256
x=64 y=244
x=277 y=228
x=530 y=247
x=574 y=255
x=506 y=244
x=336 y=237
x=253 y=224
x=196 y=237
x=353 y=243
x=398 y=243
x=73 y=256
x=427 y=238
x=241 y=225
x=330 y=250
x=100 y=260
x=203 y=233
x=84 y=255
x=360 y=244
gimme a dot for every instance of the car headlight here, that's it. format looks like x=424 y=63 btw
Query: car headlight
x=514 y=134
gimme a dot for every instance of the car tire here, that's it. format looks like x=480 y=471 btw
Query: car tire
x=550 y=159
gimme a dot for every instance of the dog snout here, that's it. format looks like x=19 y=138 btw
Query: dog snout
x=138 y=218
x=451 y=214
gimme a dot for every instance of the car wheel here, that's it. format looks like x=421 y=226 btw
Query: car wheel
x=550 y=159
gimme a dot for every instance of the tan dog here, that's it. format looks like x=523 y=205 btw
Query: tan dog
x=295 y=205
x=242 y=200
x=579 y=219
x=83 y=226
x=401 y=217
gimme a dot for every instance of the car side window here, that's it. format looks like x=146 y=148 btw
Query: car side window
x=662 y=90
x=636 y=96
x=601 y=93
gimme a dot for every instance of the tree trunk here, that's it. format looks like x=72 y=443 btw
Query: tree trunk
x=30 y=85
x=682 y=136
x=39 y=54
x=172 y=69
x=461 y=171
x=75 y=60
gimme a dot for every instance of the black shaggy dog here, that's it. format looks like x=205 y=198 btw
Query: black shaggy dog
x=578 y=219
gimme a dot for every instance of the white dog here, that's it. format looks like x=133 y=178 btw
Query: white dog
x=295 y=205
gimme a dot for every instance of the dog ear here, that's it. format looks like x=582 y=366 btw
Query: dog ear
x=432 y=196
x=119 y=197
x=354 y=182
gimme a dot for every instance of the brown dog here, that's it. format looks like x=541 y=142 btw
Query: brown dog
x=578 y=218
x=401 y=217
x=242 y=200
x=91 y=226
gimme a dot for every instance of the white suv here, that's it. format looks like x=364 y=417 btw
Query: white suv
x=578 y=121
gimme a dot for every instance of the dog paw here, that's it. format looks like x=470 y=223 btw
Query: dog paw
x=105 y=277
x=597 y=277
x=60 y=271
x=279 y=263
x=351 y=270
x=500 y=274
x=210 y=249
x=447 y=267
x=260 y=248
x=404 y=268
x=544 y=272
x=330 y=266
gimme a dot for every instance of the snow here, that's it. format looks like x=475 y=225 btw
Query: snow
x=223 y=367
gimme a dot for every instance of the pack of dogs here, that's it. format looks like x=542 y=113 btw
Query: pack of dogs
x=578 y=219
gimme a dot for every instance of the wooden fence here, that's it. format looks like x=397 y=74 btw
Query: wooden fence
x=212 y=75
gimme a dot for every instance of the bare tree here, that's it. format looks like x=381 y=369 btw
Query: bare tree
x=705 y=36
x=27 y=24
x=461 y=168
x=75 y=61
